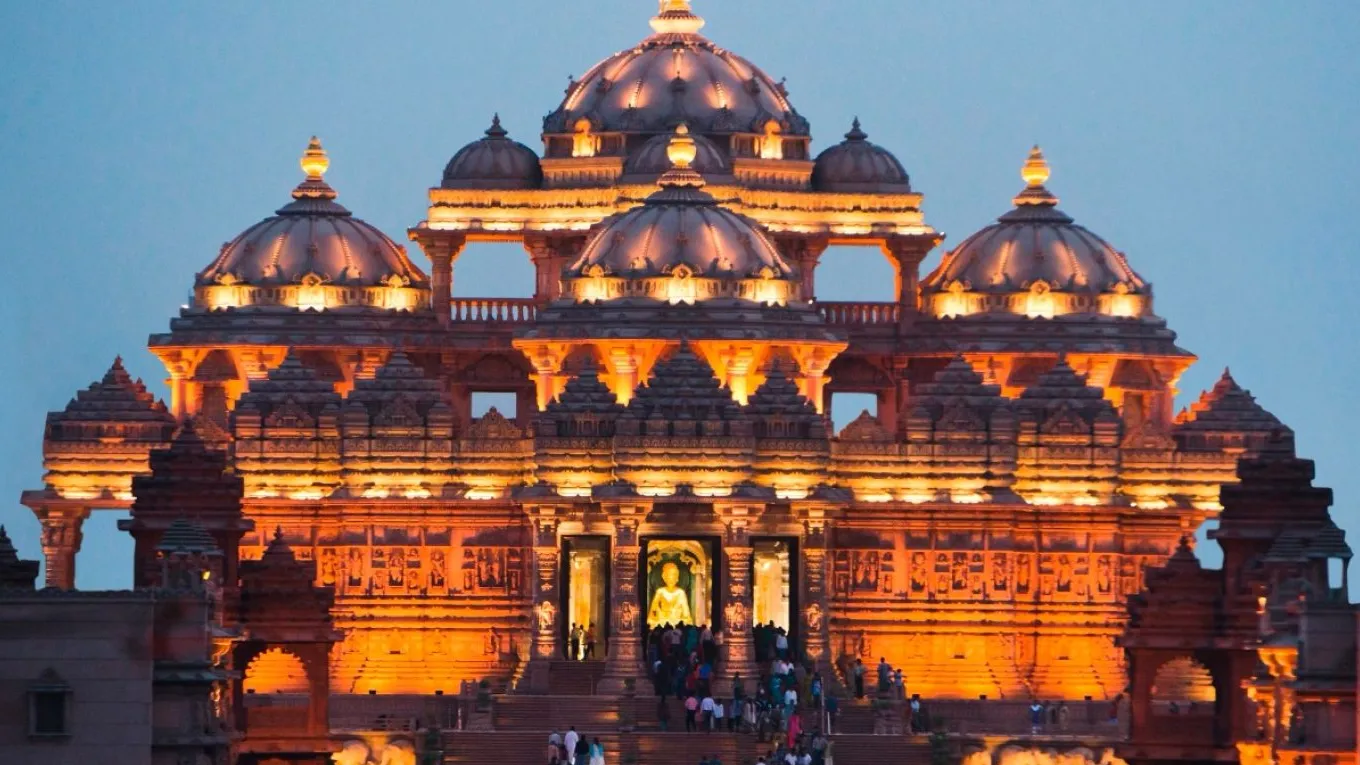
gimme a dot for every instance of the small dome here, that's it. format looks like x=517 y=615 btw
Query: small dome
x=857 y=166
x=313 y=243
x=680 y=231
x=494 y=162
x=651 y=160
x=676 y=75
x=1035 y=260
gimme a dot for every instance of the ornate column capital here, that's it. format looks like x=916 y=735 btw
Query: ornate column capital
x=62 y=536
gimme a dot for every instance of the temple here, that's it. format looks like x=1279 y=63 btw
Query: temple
x=671 y=458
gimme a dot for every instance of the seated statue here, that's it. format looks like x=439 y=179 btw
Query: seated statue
x=670 y=604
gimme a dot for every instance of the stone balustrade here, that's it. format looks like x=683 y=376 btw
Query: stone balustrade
x=494 y=310
x=855 y=314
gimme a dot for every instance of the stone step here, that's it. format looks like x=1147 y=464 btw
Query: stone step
x=677 y=748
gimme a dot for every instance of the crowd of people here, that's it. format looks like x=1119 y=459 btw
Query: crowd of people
x=581 y=642
x=786 y=707
x=572 y=748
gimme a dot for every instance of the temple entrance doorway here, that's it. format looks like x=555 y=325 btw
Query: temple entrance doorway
x=679 y=582
x=586 y=559
x=774 y=592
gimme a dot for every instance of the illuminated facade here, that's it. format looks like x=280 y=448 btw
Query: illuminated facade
x=670 y=453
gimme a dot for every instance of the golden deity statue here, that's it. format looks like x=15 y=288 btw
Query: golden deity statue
x=670 y=604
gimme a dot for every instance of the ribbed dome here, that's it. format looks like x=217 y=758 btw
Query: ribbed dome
x=676 y=75
x=313 y=241
x=650 y=160
x=494 y=162
x=680 y=227
x=857 y=166
x=1036 y=247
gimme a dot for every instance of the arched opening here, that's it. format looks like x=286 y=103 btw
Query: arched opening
x=103 y=566
x=1183 y=686
x=492 y=270
x=848 y=274
x=276 y=672
x=847 y=407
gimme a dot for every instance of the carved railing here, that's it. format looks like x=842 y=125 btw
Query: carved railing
x=277 y=718
x=860 y=314
x=493 y=310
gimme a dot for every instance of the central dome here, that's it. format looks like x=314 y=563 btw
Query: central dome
x=680 y=245
x=676 y=76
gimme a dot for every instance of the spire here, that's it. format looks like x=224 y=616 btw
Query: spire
x=676 y=17
x=315 y=162
x=1036 y=173
x=496 y=131
x=856 y=134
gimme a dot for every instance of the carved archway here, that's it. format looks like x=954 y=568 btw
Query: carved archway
x=276 y=671
x=1182 y=685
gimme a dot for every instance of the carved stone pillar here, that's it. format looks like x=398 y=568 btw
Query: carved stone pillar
x=442 y=250
x=61 y=539
x=816 y=637
x=738 y=649
x=548 y=260
x=624 y=661
x=547 y=588
x=906 y=254
x=805 y=253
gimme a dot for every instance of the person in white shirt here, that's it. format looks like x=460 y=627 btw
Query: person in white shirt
x=569 y=741
x=706 y=709
x=791 y=699
x=716 y=722
x=806 y=759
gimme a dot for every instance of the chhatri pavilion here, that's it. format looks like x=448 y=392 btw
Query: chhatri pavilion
x=671 y=455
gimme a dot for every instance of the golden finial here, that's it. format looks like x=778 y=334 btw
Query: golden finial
x=677 y=17
x=314 y=160
x=1035 y=172
x=682 y=150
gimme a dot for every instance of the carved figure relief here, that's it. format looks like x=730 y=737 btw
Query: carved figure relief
x=1024 y=566
x=396 y=569
x=941 y=575
x=1001 y=574
x=735 y=613
x=958 y=572
x=1104 y=575
x=627 y=617
x=437 y=568
x=920 y=579
x=547 y=615
x=354 y=570
x=813 y=616
x=1063 y=580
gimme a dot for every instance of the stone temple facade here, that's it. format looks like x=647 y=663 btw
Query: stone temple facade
x=982 y=529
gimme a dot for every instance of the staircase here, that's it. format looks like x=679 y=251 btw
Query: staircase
x=543 y=714
x=574 y=678
x=854 y=749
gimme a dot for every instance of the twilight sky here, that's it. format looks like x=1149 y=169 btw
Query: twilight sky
x=1213 y=142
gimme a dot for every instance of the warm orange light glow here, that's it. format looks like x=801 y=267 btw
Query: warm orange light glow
x=583 y=143
x=682 y=287
x=772 y=144
x=1040 y=303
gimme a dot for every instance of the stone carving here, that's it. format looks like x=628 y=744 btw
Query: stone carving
x=736 y=616
x=437 y=568
x=813 y=616
x=547 y=615
x=627 y=617
x=1001 y=574
x=920 y=577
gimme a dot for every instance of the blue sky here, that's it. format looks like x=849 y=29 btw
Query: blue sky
x=1213 y=142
